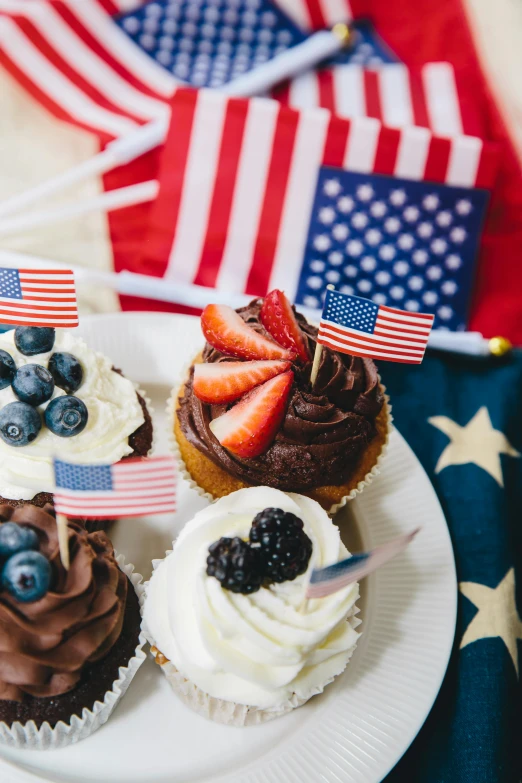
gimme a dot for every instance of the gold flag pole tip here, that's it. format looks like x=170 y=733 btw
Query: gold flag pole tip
x=343 y=33
x=500 y=346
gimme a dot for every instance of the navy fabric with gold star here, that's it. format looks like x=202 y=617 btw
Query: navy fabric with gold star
x=463 y=418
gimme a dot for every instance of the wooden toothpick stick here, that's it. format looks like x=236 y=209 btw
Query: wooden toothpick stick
x=317 y=355
x=63 y=539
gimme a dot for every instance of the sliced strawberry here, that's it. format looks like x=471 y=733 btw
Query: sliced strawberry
x=249 y=427
x=226 y=381
x=279 y=319
x=227 y=332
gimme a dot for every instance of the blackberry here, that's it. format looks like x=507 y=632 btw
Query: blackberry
x=284 y=546
x=236 y=565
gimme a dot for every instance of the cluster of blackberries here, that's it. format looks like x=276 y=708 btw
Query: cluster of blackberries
x=33 y=384
x=278 y=550
x=25 y=572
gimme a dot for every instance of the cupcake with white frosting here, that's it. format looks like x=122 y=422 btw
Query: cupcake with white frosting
x=226 y=611
x=60 y=398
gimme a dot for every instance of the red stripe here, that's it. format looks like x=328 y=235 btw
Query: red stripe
x=343 y=332
x=33 y=322
x=407 y=317
x=48 y=309
x=437 y=160
x=354 y=340
x=32 y=298
x=33 y=272
x=222 y=197
x=271 y=214
x=488 y=166
x=387 y=149
x=418 y=99
x=372 y=94
x=356 y=352
x=326 y=90
x=282 y=94
x=402 y=330
x=336 y=141
x=316 y=15
x=48 y=315
x=37 y=290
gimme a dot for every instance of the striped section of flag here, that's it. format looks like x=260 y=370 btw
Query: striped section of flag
x=131 y=487
x=43 y=297
x=362 y=328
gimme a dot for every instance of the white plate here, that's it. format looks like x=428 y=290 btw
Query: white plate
x=358 y=729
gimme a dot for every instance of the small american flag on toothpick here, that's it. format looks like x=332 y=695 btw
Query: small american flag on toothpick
x=129 y=488
x=38 y=297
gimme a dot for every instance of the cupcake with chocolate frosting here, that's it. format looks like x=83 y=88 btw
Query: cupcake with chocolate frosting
x=70 y=641
x=324 y=440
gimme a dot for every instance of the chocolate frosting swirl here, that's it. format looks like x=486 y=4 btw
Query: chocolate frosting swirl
x=324 y=431
x=44 y=645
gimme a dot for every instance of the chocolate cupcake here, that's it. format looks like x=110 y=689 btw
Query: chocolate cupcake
x=328 y=438
x=60 y=398
x=69 y=648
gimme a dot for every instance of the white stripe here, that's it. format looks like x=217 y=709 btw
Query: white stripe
x=297 y=11
x=335 y=11
x=65 y=288
x=395 y=95
x=122 y=48
x=412 y=153
x=198 y=186
x=399 y=342
x=361 y=148
x=348 y=88
x=249 y=192
x=43 y=320
x=442 y=100
x=91 y=67
x=464 y=161
x=49 y=309
x=412 y=318
x=66 y=281
x=304 y=91
x=64 y=507
x=51 y=81
x=33 y=297
x=297 y=208
x=369 y=351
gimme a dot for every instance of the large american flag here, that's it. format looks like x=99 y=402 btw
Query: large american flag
x=44 y=297
x=129 y=488
x=360 y=327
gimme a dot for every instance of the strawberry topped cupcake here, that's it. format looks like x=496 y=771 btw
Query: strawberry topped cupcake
x=248 y=414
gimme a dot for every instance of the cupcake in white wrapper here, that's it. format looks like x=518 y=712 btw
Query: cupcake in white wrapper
x=64 y=642
x=242 y=658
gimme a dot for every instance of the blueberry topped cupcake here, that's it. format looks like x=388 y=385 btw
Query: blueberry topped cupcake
x=248 y=414
x=60 y=398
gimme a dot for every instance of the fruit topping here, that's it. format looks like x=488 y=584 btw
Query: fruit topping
x=31 y=340
x=226 y=381
x=226 y=331
x=16 y=538
x=27 y=576
x=66 y=416
x=33 y=384
x=19 y=424
x=284 y=546
x=249 y=428
x=278 y=318
x=7 y=369
x=66 y=371
x=236 y=565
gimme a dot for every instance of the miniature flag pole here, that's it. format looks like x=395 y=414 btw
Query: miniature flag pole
x=318 y=353
x=63 y=539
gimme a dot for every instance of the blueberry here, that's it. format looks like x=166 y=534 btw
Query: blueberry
x=33 y=384
x=7 y=369
x=66 y=416
x=66 y=371
x=27 y=576
x=31 y=340
x=16 y=538
x=19 y=424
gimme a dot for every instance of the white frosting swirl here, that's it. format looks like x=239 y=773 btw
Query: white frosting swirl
x=114 y=414
x=258 y=649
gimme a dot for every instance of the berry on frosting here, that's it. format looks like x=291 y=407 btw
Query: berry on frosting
x=7 y=369
x=27 y=576
x=33 y=384
x=32 y=340
x=249 y=428
x=66 y=370
x=223 y=382
x=16 y=538
x=236 y=565
x=19 y=424
x=66 y=416
x=284 y=546
x=278 y=318
x=226 y=331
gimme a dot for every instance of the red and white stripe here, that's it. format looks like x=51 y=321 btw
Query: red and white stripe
x=141 y=486
x=316 y=14
x=398 y=336
x=238 y=180
x=49 y=299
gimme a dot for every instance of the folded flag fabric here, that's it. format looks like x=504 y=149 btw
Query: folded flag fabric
x=131 y=487
x=362 y=328
x=43 y=297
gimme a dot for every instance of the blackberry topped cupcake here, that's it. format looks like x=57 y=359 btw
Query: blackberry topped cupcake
x=249 y=416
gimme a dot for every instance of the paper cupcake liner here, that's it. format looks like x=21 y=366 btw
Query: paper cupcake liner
x=184 y=473
x=29 y=736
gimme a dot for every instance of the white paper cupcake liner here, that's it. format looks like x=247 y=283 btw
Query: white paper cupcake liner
x=184 y=473
x=28 y=736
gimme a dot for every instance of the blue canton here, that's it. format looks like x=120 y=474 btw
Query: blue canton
x=207 y=43
x=401 y=243
x=10 y=284
x=84 y=478
x=368 y=50
x=350 y=311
